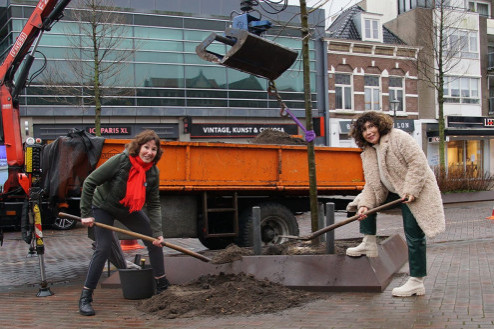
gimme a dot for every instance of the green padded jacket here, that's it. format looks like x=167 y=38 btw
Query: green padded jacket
x=107 y=185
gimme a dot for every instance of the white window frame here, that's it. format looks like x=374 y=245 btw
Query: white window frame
x=371 y=28
x=345 y=91
x=461 y=90
x=462 y=43
x=475 y=7
x=398 y=93
x=372 y=93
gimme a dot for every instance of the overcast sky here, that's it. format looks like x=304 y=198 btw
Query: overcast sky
x=331 y=7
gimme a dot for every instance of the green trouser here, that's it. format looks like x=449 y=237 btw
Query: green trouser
x=414 y=235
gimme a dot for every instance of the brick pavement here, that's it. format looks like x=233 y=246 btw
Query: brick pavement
x=459 y=287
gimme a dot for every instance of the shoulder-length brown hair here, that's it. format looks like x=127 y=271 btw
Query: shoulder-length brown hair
x=142 y=138
x=382 y=121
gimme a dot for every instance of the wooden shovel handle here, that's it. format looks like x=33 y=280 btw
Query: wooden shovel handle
x=351 y=219
x=140 y=236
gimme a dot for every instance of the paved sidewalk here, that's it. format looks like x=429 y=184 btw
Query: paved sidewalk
x=459 y=287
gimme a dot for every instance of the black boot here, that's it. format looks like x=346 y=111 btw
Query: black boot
x=161 y=284
x=85 y=307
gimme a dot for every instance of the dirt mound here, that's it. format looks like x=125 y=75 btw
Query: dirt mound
x=273 y=136
x=238 y=294
x=230 y=254
x=224 y=294
x=291 y=247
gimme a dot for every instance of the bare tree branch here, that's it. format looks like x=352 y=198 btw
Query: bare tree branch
x=99 y=52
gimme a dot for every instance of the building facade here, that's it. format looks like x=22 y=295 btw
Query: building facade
x=469 y=140
x=369 y=69
x=164 y=85
x=467 y=84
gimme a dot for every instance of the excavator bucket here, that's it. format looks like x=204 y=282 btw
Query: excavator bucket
x=249 y=53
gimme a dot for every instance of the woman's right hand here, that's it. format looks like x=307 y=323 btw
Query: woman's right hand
x=88 y=221
x=361 y=212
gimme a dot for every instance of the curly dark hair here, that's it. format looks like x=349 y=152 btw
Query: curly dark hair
x=142 y=138
x=382 y=121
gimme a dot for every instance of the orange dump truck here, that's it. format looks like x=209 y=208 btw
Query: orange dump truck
x=208 y=189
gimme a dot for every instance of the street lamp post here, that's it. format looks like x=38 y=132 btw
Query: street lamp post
x=394 y=106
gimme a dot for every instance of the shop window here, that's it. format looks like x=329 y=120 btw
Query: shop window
x=466 y=155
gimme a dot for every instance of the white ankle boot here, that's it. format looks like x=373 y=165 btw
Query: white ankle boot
x=368 y=247
x=414 y=286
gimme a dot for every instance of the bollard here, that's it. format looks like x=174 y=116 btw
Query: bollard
x=320 y=221
x=256 y=230
x=329 y=236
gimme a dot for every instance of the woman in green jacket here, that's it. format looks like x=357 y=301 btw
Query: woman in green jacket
x=118 y=189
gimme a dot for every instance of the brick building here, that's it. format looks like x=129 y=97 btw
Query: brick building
x=368 y=67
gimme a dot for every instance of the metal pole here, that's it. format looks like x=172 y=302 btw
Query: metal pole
x=394 y=105
x=320 y=220
x=329 y=236
x=256 y=229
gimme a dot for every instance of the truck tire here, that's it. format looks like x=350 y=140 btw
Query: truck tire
x=276 y=220
x=215 y=243
x=64 y=223
x=212 y=243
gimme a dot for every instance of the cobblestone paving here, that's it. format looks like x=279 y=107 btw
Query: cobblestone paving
x=459 y=287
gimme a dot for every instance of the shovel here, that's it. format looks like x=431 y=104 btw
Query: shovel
x=344 y=222
x=140 y=236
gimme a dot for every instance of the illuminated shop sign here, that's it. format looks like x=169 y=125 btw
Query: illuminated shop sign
x=469 y=122
x=405 y=125
x=237 y=130
x=110 y=130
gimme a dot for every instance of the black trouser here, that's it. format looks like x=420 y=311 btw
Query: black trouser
x=414 y=235
x=137 y=222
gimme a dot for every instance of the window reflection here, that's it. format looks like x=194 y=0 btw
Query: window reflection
x=164 y=70
x=466 y=155
x=205 y=77
x=153 y=75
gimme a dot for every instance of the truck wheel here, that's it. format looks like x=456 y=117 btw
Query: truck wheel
x=276 y=220
x=212 y=243
x=64 y=223
x=215 y=243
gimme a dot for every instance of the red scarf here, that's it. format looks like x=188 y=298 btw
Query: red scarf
x=135 y=196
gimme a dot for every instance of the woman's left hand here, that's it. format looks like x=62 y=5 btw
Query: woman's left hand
x=408 y=198
x=158 y=242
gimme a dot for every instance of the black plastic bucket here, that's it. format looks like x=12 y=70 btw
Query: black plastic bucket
x=137 y=284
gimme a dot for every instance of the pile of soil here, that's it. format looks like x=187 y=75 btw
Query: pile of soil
x=239 y=294
x=273 y=136
x=225 y=294
x=292 y=247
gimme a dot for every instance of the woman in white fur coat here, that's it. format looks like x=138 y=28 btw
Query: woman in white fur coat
x=396 y=167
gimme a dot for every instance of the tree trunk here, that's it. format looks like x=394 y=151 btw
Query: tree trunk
x=96 y=84
x=308 y=117
x=440 y=90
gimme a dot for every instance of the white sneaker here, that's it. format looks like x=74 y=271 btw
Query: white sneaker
x=368 y=247
x=414 y=286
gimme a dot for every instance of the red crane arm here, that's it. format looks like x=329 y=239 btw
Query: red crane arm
x=45 y=13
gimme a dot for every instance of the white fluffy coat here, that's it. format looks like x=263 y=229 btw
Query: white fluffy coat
x=405 y=166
